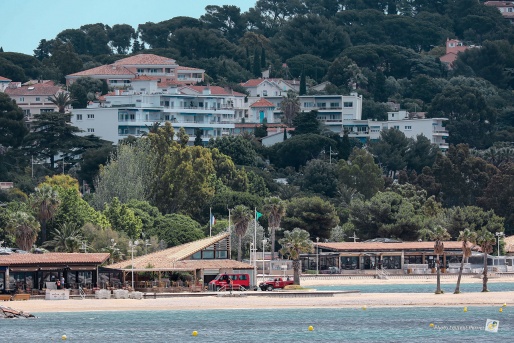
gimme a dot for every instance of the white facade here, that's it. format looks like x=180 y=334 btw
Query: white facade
x=432 y=129
x=333 y=110
x=133 y=112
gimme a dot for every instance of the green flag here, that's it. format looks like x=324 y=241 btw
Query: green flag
x=257 y=215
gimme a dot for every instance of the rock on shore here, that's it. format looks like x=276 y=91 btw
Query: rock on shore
x=7 y=312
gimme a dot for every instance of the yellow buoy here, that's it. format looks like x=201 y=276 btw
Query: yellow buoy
x=465 y=309
x=431 y=325
x=311 y=328
x=504 y=304
x=64 y=337
x=195 y=333
x=364 y=307
x=500 y=310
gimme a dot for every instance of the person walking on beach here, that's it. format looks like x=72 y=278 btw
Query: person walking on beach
x=62 y=283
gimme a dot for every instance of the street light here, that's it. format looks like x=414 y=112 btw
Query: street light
x=132 y=246
x=263 y=249
x=499 y=235
x=317 y=256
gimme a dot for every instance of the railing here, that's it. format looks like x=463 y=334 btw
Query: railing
x=382 y=273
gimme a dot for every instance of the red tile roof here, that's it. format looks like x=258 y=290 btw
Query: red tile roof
x=252 y=83
x=109 y=69
x=4 y=79
x=146 y=59
x=379 y=246
x=189 y=68
x=215 y=90
x=43 y=89
x=52 y=258
x=143 y=78
x=262 y=103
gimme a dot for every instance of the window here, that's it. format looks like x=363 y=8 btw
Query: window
x=206 y=254
x=38 y=98
x=397 y=127
x=79 y=116
x=264 y=93
x=132 y=116
x=408 y=127
x=221 y=254
x=22 y=99
x=321 y=104
x=26 y=113
x=348 y=104
x=46 y=110
x=90 y=130
x=90 y=116
x=334 y=104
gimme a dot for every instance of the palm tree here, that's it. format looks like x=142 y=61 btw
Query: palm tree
x=66 y=238
x=115 y=254
x=241 y=216
x=276 y=209
x=45 y=201
x=61 y=100
x=25 y=229
x=293 y=244
x=290 y=106
x=485 y=239
x=466 y=236
x=439 y=234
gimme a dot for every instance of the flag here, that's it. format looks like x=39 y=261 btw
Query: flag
x=257 y=215
x=213 y=220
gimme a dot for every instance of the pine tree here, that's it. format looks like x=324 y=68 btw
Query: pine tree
x=1 y=49
x=285 y=133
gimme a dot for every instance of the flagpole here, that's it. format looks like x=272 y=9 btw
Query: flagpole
x=210 y=221
x=255 y=247
x=230 y=235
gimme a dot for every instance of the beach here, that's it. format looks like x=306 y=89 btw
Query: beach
x=349 y=300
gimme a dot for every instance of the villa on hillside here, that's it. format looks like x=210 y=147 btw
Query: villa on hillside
x=32 y=97
x=505 y=7
x=121 y=73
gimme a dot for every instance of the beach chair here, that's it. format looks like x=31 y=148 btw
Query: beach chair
x=5 y=297
x=19 y=297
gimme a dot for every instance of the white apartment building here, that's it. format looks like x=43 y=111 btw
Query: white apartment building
x=333 y=110
x=432 y=128
x=213 y=110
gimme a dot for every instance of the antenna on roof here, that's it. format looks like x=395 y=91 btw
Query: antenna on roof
x=355 y=238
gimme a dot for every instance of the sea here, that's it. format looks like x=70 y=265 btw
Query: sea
x=365 y=324
x=421 y=288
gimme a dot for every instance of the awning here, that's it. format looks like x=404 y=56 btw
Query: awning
x=82 y=268
x=23 y=269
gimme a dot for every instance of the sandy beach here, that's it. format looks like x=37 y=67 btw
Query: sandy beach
x=349 y=300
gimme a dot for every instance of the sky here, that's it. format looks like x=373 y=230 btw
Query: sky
x=26 y=22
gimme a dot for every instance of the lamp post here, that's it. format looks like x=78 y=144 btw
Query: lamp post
x=499 y=235
x=263 y=249
x=132 y=246
x=317 y=256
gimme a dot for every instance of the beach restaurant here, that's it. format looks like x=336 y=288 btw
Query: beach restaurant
x=202 y=260
x=395 y=256
x=29 y=273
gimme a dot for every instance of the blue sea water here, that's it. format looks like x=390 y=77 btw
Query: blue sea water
x=402 y=324
x=420 y=288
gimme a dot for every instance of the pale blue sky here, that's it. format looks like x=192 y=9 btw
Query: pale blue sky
x=25 y=22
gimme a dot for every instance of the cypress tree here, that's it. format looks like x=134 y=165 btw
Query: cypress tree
x=1 y=49
x=263 y=58
x=303 y=85
x=256 y=64
x=285 y=133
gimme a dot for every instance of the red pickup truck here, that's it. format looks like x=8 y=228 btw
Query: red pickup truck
x=271 y=284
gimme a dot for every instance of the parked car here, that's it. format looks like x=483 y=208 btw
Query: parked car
x=331 y=270
x=278 y=282
x=237 y=282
